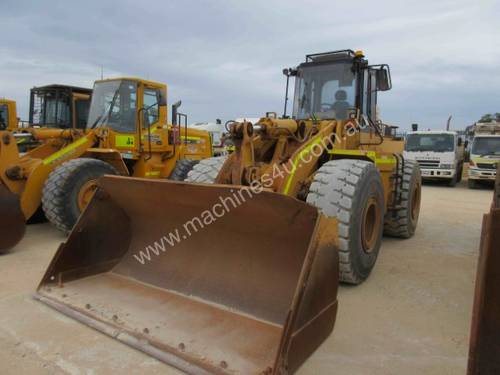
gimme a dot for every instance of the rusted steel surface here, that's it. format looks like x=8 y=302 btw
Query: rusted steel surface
x=254 y=292
x=12 y=222
x=484 y=353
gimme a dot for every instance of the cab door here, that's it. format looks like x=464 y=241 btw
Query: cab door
x=151 y=127
x=80 y=111
x=123 y=119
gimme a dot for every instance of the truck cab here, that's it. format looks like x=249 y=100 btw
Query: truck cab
x=484 y=153
x=439 y=153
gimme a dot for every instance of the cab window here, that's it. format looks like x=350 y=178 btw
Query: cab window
x=151 y=107
x=81 y=113
x=4 y=117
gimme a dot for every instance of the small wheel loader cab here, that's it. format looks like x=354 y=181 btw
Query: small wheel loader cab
x=53 y=108
x=126 y=134
x=236 y=270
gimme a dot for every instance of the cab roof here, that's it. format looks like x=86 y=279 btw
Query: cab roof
x=135 y=79
x=7 y=101
x=56 y=86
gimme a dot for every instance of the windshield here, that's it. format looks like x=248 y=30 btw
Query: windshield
x=324 y=91
x=51 y=109
x=430 y=142
x=486 y=146
x=4 y=117
x=114 y=104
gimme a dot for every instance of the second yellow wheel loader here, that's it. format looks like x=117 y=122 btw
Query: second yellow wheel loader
x=127 y=134
x=236 y=270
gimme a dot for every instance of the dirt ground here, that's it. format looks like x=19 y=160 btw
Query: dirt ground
x=412 y=316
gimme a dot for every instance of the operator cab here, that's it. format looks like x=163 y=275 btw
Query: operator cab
x=115 y=105
x=59 y=106
x=335 y=85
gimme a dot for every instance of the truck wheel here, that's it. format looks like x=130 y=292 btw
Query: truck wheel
x=182 y=168
x=460 y=172
x=402 y=221
x=206 y=170
x=69 y=189
x=452 y=182
x=352 y=191
x=472 y=184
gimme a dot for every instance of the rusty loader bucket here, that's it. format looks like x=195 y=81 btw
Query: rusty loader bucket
x=211 y=279
x=485 y=328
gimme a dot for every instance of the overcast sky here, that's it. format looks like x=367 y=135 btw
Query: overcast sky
x=224 y=58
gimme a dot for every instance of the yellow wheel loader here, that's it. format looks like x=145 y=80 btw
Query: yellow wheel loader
x=127 y=134
x=236 y=270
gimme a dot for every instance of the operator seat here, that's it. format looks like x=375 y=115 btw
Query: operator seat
x=341 y=105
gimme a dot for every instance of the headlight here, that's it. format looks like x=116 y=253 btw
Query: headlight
x=446 y=166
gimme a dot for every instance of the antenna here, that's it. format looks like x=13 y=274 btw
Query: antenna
x=448 y=123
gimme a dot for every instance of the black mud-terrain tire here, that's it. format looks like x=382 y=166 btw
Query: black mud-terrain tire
x=60 y=192
x=460 y=173
x=348 y=190
x=452 y=182
x=181 y=169
x=402 y=221
x=206 y=170
x=472 y=184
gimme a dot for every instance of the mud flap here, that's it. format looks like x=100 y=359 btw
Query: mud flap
x=12 y=221
x=211 y=279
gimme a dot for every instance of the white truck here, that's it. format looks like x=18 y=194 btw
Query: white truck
x=484 y=153
x=216 y=131
x=440 y=154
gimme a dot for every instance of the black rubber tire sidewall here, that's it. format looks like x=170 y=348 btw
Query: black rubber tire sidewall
x=361 y=261
x=181 y=169
x=65 y=183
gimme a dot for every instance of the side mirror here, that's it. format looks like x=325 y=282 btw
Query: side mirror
x=383 y=78
x=466 y=143
x=459 y=141
x=175 y=106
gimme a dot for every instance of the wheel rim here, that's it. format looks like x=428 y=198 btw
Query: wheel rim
x=415 y=203
x=86 y=193
x=371 y=223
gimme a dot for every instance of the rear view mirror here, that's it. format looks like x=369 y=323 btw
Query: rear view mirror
x=459 y=141
x=383 y=78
